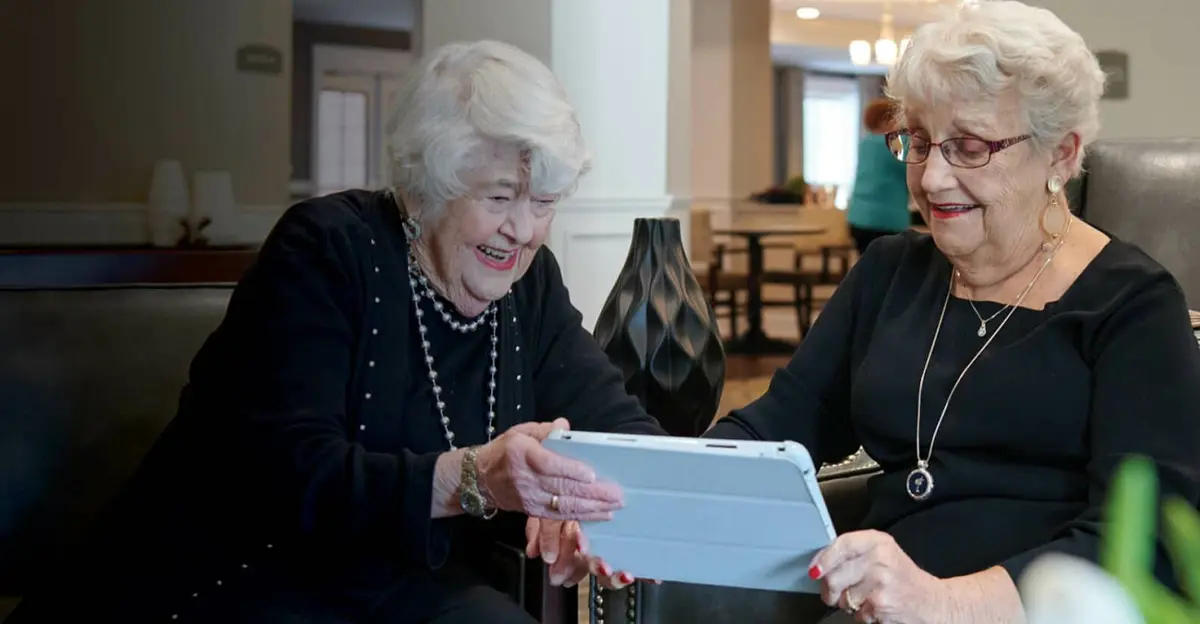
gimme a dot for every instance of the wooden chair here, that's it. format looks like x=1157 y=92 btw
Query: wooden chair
x=819 y=259
x=720 y=283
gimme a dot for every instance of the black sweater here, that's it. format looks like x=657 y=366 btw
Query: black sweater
x=1022 y=460
x=306 y=437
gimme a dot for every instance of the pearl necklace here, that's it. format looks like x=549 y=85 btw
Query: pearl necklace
x=420 y=287
x=919 y=483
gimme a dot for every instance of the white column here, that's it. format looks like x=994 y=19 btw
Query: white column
x=99 y=91
x=626 y=67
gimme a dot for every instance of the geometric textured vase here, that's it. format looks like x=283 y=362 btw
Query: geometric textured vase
x=659 y=329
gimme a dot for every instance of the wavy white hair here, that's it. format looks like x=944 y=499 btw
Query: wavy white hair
x=985 y=48
x=465 y=93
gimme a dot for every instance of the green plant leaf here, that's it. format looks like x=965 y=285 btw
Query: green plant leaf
x=1181 y=532
x=1128 y=542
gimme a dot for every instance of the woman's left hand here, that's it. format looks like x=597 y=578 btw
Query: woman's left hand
x=563 y=546
x=867 y=574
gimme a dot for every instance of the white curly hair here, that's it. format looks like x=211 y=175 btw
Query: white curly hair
x=985 y=48
x=462 y=94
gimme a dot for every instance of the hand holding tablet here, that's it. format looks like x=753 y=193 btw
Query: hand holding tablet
x=729 y=513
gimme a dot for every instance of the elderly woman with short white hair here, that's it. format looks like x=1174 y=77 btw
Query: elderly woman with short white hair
x=366 y=422
x=1001 y=366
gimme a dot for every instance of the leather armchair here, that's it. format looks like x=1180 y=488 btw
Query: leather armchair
x=1147 y=192
x=89 y=377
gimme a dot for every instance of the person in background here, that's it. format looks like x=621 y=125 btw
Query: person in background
x=879 y=203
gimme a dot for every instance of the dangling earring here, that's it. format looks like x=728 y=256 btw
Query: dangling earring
x=412 y=228
x=1053 y=234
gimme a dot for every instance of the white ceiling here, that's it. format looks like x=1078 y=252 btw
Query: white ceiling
x=388 y=14
x=904 y=12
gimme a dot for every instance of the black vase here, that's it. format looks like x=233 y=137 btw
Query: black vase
x=659 y=329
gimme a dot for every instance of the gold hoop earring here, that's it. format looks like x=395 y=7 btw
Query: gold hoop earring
x=1053 y=235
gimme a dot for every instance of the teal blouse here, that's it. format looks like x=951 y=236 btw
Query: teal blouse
x=880 y=197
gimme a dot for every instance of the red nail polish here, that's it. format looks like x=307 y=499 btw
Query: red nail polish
x=814 y=572
x=625 y=578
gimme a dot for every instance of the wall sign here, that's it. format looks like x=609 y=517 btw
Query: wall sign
x=1115 y=65
x=260 y=58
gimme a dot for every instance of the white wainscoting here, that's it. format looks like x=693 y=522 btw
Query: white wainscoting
x=81 y=224
x=590 y=238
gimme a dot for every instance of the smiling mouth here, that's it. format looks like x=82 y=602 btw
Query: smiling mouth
x=496 y=254
x=498 y=259
x=945 y=211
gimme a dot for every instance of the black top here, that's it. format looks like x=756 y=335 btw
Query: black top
x=1036 y=426
x=307 y=435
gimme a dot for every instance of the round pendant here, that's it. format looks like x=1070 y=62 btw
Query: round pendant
x=919 y=483
x=982 y=330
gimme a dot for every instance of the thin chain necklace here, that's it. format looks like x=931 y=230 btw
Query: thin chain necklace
x=420 y=288
x=982 y=331
x=919 y=483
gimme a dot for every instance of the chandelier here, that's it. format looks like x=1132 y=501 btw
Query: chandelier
x=886 y=50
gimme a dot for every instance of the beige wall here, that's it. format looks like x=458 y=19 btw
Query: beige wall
x=1159 y=36
x=98 y=91
x=732 y=98
x=523 y=23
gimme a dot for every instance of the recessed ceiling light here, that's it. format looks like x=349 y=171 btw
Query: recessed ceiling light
x=807 y=13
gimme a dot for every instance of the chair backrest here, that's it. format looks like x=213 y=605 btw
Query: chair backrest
x=701 y=237
x=1147 y=192
x=832 y=218
x=89 y=377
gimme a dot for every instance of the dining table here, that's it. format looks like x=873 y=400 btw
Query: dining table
x=755 y=340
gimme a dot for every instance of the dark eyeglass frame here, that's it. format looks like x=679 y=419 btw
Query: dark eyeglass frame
x=993 y=147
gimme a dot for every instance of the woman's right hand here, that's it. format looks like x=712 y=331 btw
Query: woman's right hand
x=518 y=474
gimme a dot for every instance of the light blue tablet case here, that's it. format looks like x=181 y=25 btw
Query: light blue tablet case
x=714 y=512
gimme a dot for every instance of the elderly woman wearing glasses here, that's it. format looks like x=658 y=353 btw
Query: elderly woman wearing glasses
x=1001 y=366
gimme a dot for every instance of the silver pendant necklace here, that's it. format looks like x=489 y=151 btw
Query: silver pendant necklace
x=420 y=287
x=919 y=483
x=982 y=331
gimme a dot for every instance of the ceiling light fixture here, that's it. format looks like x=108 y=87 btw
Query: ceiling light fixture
x=808 y=13
x=886 y=49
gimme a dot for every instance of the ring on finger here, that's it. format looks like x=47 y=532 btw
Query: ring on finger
x=554 y=502
x=852 y=605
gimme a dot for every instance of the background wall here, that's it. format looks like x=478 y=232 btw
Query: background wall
x=98 y=91
x=1159 y=36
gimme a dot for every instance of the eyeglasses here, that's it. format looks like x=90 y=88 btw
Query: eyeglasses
x=962 y=152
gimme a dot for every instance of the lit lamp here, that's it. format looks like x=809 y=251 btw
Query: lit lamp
x=860 y=52
x=885 y=52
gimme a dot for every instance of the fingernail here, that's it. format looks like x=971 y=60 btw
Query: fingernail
x=549 y=557
x=605 y=570
x=814 y=572
x=625 y=578
x=556 y=580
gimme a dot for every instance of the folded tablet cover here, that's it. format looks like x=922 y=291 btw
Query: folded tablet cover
x=707 y=517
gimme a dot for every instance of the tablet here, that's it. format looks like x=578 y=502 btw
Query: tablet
x=731 y=513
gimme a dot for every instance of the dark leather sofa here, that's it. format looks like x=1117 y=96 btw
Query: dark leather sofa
x=1147 y=192
x=89 y=376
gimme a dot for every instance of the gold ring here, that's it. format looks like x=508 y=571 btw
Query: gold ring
x=554 y=502
x=851 y=605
